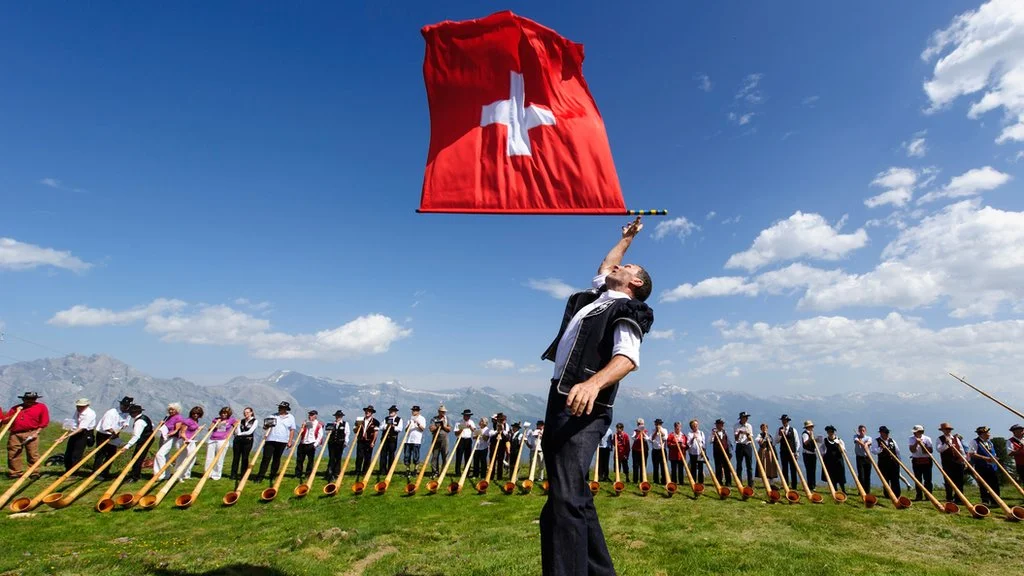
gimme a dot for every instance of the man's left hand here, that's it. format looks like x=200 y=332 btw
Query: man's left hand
x=581 y=398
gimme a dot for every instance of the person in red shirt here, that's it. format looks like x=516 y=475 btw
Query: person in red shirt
x=622 y=440
x=676 y=447
x=24 y=438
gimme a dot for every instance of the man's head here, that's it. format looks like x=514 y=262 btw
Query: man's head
x=744 y=417
x=369 y=411
x=29 y=398
x=630 y=279
x=134 y=410
x=81 y=404
x=467 y=414
x=442 y=411
x=719 y=424
x=540 y=424
x=338 y=414
x=918 y=431
x=862 y=429
x=883 y=431
x=983 y=432
x=415 y=410
x=125 y=403
x=312 y=414
x=677 y=426
x=693 y=425
x=284 y=407
x=620 y=426
x=1018 y=431
x=945 y=427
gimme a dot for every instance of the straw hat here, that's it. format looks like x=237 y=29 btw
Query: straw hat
x=82 y=402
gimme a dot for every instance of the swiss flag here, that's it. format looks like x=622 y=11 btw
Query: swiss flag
x=513 y=126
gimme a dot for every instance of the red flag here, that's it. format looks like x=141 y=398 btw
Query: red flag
x=513 y=126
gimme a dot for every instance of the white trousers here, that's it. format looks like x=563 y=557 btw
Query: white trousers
x=165 y=450
x=190 y=454
x=212 y=447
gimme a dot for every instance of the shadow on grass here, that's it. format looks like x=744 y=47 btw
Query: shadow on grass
x=230 y=570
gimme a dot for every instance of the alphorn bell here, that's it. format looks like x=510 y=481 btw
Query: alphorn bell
x=723 y=491
x=231 y=497
x=303 y=489
x=812 y=496
x=106 y=501
x=331 y=488
x=618 y=487
x=773 y=495
x=481 y=486
x=510 y=486
x=745 y=491
x=869 y=499
x=595 y=485
x=360 y=485
x=456 y=487
x=670 y=486
x=528 y=483
x=127 y=500
x=31 y=470
x=186 y=500
x=411 y=488
x=382 y=487
x=792 y=496
x=433 y=485
x=980 y=511
x=58 y=500
x=26 y=504
x=697 y=488
x=901 y=502
x=645 y=486
x=838 y=497
x=149 y=501
x=950 y=509
x=1014 y=514
x=269 y=494
x=12 y=417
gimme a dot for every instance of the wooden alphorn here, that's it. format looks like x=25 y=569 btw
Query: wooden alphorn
x=838 y=497
x=510 y=486
x=792 y=496
x=270 y=493
x=382 y=487
x=360 y=485
x=595 y=486
x=481 y=486
x=618 y=487
x=304 y=488
x=149 y=501
x=901 y=502
x=231 y=497
x=127 y=500
x=773 y=495
x=723 y=491
x=670 y=486
x=697 y=487
x=106 y=502
x=12 y=417
x=528 y=483
x=411 y=488
x=931 y=497
x=980 y=511
x=812 y=496
x=186 y=500
x=331 y=488
x=456 y=487
x=869 y=499
x=986 y=395
x=1014 y=514
x=26 y=504
x=58 y=500
x=645 y=486
x=31 y=470
x=433 y=485
x=745 y=491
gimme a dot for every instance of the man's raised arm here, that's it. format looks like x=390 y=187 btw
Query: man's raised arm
x=614 y=256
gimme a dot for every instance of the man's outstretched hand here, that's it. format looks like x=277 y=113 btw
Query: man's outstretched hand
x=633 y=228
x=581 y=398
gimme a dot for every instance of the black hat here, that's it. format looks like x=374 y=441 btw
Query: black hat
x=313 y=413
x=134 y=408
x=540 y=422
x=415 y=408
x=1016 y=427
x=785 y=418
x=516 y=425
x=981 y=429
x=744 y=415
x=369 y=408
x=30 y=396
x=393 y=408
x=830 y=428
x=467 y=412
x=499 y=416
x=127 y=400
x=719 y=421
x=338 y=414
x=659 y=421
x=883 y=429
x=284 y=404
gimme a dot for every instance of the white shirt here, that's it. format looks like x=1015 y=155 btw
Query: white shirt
x=857 y=448
x=805 y=437
x=950 y=442
x=877 y=448
x=626 y=339
x=84 y=420
x=694 y=444
x=658 y=436
x=748 y=433
x=279 y=433
x=416 y=426
x=533 y=440
x=313 y=433
x=485 y=433
x=137 y=429
x=113 y=419
x=919 y=452
x=606 y=442
x=465 y=428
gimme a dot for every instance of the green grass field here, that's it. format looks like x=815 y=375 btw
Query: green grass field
x=495 y=534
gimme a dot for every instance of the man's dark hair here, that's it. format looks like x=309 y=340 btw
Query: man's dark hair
x=642 y=293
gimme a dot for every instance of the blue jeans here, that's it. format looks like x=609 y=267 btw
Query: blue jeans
x=571 y=540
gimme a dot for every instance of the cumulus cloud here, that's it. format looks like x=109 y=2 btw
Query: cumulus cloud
x=969 y=183
x=717 y=286
x=221 y=325
x=898 y=184
x=499 y=364
x=662 y=334
x=792 y=278
x=16 y=255
x=679 y=227
x=552 y=286
x=529 y=369
x=917 y=147
x=799 y=236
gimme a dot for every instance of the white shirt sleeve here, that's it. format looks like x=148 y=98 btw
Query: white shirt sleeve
x=137 y=430
x=626 y=341
x=598 y=281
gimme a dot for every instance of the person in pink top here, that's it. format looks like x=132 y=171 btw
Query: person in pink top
x=190 y=427
x=222 y=426
x=170 y=435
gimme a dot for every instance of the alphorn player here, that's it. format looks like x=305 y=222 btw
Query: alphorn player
x=483 y=434
x=142 y=427
x=1016 y=445
x=533 y=443
x=336 y=445
x=807 y=442
x=24 y=435
x=886 y=463
x=832 y=459
x=393 y=424
x=622 y=439
x=413 y=441
x=83 y=423
x=788 y=435
x=952 y=456
x=676 y=446
x=517 y=439
x=983 y=458
x=500 y=434
x=658 y=437
x=189 y=430
x=695 y=445
x=170 y=435
x=861 y=444
x=366 y=440
x=280 y=431
x=920 y=447
x=641 y=444
x=241 y=446
x=722 y=450
x=222 y=425
x=598 y=344
x=604 y=452
x=439 y=425
x=113 y=420
x=766 y=452
x=464 y=433
x=310 y=439
x=743 y=434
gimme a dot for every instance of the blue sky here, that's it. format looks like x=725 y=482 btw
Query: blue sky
x=258 y=168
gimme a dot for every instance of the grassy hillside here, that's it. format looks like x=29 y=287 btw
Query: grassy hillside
x=496 y=534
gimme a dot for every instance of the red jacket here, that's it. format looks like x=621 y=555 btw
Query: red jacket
x=622 y=440
x=676 y=446
x=31 y=417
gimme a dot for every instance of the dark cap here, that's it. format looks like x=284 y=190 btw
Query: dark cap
x=30 y=396
x=719 y=421
x=1016 y=427
x=393 y=408
x=499 y=416
x=135 y=408
x=467 y=412
x=540 y=422
x=339 y=414
x=744 y=415
x=830 y=428
x=127 y=400
x=516 y=425
x=415 y=408
x=313 y=413
x=981 y=429
x=659 y=421
x=369 y=408
x=884 y=429
x=285 y=405
x=785 y=418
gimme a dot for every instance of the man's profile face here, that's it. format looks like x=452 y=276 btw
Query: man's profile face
x=625 y=274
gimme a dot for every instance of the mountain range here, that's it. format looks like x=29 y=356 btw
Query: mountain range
x=104 y=380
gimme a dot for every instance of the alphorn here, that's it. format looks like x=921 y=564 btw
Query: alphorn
x=697 y=487
x=619 y=486
x=595 y=485
x=670 y=486
x=58 y=500
x=1014 y=514
x=899 y=503
x=1009 y=476
x=26 y=504
x=269 y=494
x=773 y=495
x=331 y=488
x=869 y=499
x=411 y=488
x=127 y=500
x=950 y=509
x=303 y=489
x=812 y=496
x=231 y=497
x=13 y=416
x=723 y=491
x=838 y=497
x=456 y=487
x=31 y=470
x=149 y=501
x=382 y=487
x=986 y=395
x=510 y=486
x=360 y=485
x=745 y=491
x=186 y=500
x=481 y=486
x=645 y=486
x=980 y=511
x=791 y=495
x=106 y=501
x=433 y=485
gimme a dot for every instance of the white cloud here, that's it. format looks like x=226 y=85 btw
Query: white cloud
x=734 y=220
x=750 y=92
x=221 y=325
x=799 y=236
x=16 y=255
x=662 y=334
x=679 y=227
x=529 y=369
x=810 y=101
x=703 y=82
x=969 y=183
x=711 y=214
x=786 y=280
x=740 y=119
x=664 y=363
x=499 y=364
x=916 y=147
x=717 y=286
x=51 y=182
x=982 y=50
x=898 y=184
x=553 y=286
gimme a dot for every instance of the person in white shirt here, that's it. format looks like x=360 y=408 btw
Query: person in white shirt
x=658 y=437
x=807 y=443
x=312 y=437
x=142 y=428
x=280 y=431
x=81 y=426
x=482 y=435
x=340 y=434
x=534 y=443
x=743 y=434
x=920 y=447
x=605 y=450
x=861 y=444
x=414 y=441
x=465 y=431
x=108 y=427
x=242 y=444
x=389 y=442
x=501 y=434
x=952 y=456
x=695 y=441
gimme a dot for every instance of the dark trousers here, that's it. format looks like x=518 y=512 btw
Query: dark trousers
x=864 y=473
x=411 y=455
x=697 y=469
x=334 y=456
x=387 y=455
x=571 y=540
x=923 y=473
x=479 y=463
x=891 y=471
x=603 y=457
x=75 y=449
x=364 y=453
x=438 y=456
x=241 y=446
x=271 y=457
x=463 y=454
x=657 y=466
x=105 y=453
x=721 y=470
x=991 y=477
x=811 y=468
x=624 y=468
x=636 y=463
x=677 y=471
x=955 y=471
x=499 y=461
x=136 y=472
x=305 y=454
x=788 y=466
x=745 y=456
